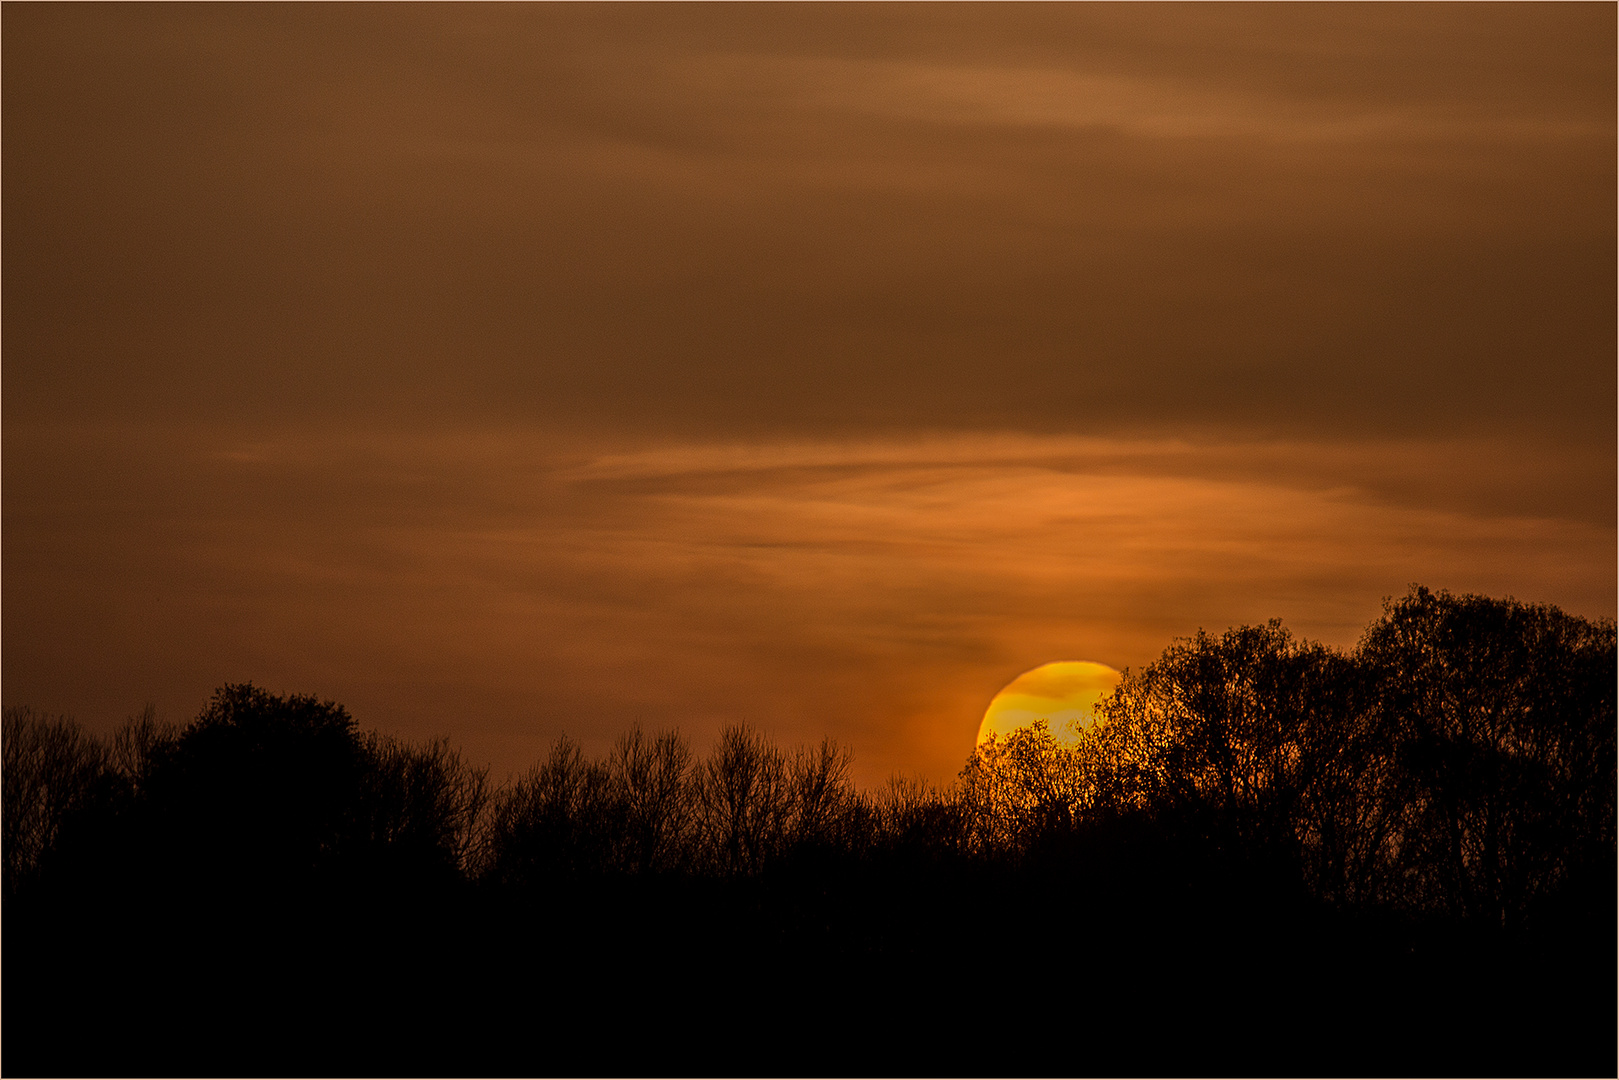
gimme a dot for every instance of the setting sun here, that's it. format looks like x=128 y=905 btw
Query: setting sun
x=1062 y=693
x=506 y=506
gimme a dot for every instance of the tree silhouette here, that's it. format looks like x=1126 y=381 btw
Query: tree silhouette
x=556 y=822
x=743 y=802
x=1315 y=840
x=52 y=770
x=650 y=776
x=420 y=810
x=259 y=792
x=825 y=811
x=1023 y=787
x=1459 y=761
x=1499 y=720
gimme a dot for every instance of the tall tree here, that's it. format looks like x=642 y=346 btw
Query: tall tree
x=1500 y=719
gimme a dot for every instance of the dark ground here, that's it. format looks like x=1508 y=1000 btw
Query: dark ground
x=863 y=970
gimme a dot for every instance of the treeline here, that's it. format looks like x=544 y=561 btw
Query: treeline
x=1428 y=819
x=1459 y=762
x=264 y=788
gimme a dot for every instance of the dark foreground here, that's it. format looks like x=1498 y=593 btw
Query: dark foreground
x=1267 y=858
x=868 y=970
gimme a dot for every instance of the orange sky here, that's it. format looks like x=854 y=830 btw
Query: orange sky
x=500 y=371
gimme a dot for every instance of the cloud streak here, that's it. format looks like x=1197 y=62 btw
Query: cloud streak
x=506 y=587
x=503 y=370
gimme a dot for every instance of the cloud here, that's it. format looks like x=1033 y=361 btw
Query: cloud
x=828 y=221
x=502 y=586
x=1154 y=106
x=501 y=370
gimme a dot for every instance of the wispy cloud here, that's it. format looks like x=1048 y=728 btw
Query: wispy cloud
x=503 y=587
x=506 y=369
x=1158 y=106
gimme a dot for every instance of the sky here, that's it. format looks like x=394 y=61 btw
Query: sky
x=510 y=371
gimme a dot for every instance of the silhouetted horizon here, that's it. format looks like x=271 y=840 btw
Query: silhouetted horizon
x=1324 y=827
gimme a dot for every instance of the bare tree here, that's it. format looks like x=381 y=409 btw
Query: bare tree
x=559 y=819
x=743 y=801
x=822 y=797
x=51 y=768
x=651 y=781
x=138 y=743
x=424 y=803
x=915 y=818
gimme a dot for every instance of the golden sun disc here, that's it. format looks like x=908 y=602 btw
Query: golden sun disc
x=1063 y=693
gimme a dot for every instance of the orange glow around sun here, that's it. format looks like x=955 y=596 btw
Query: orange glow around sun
x=1063 y=694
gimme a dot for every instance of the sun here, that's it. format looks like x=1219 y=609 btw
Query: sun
x=1062 y=693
